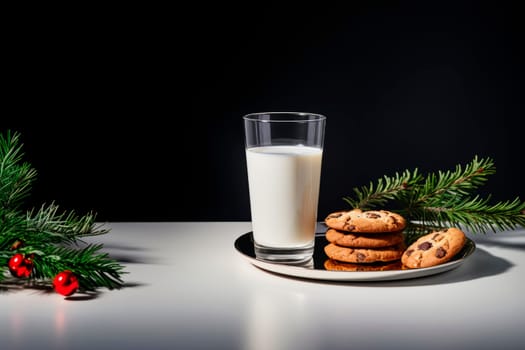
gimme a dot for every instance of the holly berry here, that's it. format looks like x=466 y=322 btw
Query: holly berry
x=20 y=266
x=65 y=283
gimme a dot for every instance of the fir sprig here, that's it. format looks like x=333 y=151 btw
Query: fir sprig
x=443 y=198
x=50 y=236
x=476 y=214
x=451 y=184
x=383 y=190
x=16 y=176
x=54 y=225
x=93 y=268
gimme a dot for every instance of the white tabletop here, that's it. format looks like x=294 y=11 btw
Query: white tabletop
x=188 y=288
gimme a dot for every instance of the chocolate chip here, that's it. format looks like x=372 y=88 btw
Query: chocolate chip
x=373 y=215
x=335 y=216
x=350 y=227
x=410 y=251
x=440 y=252
x=361 y=257
x=425 y=246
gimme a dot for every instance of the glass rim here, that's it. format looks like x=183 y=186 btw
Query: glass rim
x=284 y=117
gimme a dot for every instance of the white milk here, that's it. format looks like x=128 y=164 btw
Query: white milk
x=284 y=191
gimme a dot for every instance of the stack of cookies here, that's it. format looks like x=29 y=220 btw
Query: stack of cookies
x=364 y=240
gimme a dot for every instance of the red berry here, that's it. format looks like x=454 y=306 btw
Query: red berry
x=20 y=266
x=65 y=283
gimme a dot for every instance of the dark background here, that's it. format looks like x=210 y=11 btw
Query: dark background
x=136 y=113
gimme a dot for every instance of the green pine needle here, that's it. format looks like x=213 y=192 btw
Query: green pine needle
x=92 y=268
x=61 y=227
x=443 y=198
x=477 y=214
x=50 y=236
x=16 y=177
x=385 y=189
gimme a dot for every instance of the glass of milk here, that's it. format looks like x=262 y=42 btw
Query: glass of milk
x=283 y=154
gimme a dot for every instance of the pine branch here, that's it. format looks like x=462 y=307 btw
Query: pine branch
x=16 y=177
x=461 y=181
x=49 y=236
x=383 y=190
x=93 y=269
x=444 y=198
x=476 y=214
x=61 y=227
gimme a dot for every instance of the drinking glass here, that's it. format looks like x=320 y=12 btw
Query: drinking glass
x=284 y=154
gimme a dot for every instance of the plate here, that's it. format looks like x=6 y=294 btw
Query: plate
x=315 y=269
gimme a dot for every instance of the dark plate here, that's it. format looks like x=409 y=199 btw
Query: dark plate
x=315 y=269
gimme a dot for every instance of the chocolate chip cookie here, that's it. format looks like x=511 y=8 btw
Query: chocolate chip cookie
x=434 y=248
x=370 y=221
x=334 y=265
x=364 y=255
x=363 y=240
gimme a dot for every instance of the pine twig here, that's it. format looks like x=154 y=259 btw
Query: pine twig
x=16 y=177
x=61 y=227
x=93 y=269
x=459 y=182
x=49 y=236
x=477 y=214
x=444 y=198
x=383 y=190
